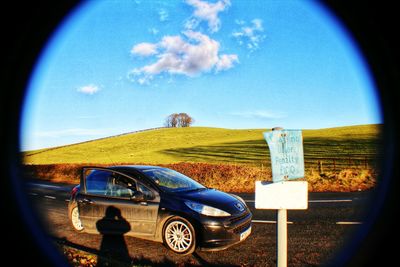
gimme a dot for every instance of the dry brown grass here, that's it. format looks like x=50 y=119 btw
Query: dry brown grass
x=225 y=177
x=347 y=180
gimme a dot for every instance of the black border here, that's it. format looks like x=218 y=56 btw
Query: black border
x=26 y=27
x=373 y=25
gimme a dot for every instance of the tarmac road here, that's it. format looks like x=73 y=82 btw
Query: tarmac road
x=315 y=235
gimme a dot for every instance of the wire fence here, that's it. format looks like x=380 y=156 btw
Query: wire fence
x=335 y=164
x=338 y=164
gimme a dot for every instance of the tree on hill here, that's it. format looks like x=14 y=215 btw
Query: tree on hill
x=178 y=120
x=171 y=121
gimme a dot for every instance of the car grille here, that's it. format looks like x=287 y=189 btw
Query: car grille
x=236 y=219
x=240 y=223
x=242 y=227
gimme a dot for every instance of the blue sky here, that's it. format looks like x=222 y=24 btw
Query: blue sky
x=118 y=66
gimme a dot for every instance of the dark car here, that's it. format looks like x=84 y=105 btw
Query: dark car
x=158 y=204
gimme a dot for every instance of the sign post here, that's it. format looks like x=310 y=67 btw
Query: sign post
x=287 y=160
x=282 y=238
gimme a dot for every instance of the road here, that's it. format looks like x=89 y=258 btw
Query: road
x=315 y=235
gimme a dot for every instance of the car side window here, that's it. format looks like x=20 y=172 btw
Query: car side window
x=147 y=193
x=96 y=182
x=120 y=186
x=109 y=183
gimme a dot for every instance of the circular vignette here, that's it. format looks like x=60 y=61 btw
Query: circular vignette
x=372 y=27
x=26 y=29
x=33 y=23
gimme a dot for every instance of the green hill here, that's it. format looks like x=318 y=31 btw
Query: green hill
x=214 y=145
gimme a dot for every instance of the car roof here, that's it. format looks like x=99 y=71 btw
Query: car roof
x=130 y=168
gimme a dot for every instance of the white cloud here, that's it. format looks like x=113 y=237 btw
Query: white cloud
x=240 y=22
x=191 y=24
x=153 y=31
x=259 y=114
x=226 y=62
x=144 y=49
x=208 y=12
x=250 y=35
x=163 y=15
x=190 y=54
x=88 y=89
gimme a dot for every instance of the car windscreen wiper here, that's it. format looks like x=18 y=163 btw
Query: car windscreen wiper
x=196 y=189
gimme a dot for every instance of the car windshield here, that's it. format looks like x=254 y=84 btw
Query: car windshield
x=172 y=181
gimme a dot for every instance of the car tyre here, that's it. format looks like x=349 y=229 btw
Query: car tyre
x=179 y=236
x=74 y=218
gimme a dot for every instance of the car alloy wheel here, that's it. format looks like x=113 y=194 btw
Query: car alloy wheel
x=75 y=220
x=179 y=236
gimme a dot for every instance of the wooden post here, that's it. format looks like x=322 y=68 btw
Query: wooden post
x=282 y=238
x=320 y=169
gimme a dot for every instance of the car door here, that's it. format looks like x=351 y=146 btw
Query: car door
x=109 y=204
x=92 y=199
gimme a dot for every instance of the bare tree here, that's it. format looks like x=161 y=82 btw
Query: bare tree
x=171 y=121
x=178 y=120
x=185 y=120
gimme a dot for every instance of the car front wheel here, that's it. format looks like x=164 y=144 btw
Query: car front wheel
x=179 y=236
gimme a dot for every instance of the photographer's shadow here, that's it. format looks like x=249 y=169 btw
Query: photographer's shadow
x=113 y=227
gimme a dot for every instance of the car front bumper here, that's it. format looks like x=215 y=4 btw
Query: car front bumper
x=219 y=234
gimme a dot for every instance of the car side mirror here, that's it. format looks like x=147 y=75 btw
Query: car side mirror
x=138 y=196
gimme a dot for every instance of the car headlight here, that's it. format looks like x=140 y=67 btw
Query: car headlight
x=206 y=210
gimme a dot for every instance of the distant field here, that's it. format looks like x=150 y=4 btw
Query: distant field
x=334 y=147
x=336 y=159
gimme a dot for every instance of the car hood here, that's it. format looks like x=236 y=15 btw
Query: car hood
x=214 y=198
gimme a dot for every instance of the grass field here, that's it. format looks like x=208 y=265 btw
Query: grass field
x=353 y=145
x=336 y=159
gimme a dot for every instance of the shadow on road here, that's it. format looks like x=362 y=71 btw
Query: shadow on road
x=113 y=227
x=114 y=250
x=203 y=262
x=111 y=258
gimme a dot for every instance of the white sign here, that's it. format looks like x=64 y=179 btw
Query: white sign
x=287 y=157
x=282 y=195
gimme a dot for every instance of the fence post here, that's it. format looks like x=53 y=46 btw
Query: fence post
x=320 y=169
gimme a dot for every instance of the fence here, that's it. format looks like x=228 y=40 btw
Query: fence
x=330 y=164
x=338 y=164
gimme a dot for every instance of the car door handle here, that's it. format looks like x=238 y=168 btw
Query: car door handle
x=85 y=200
